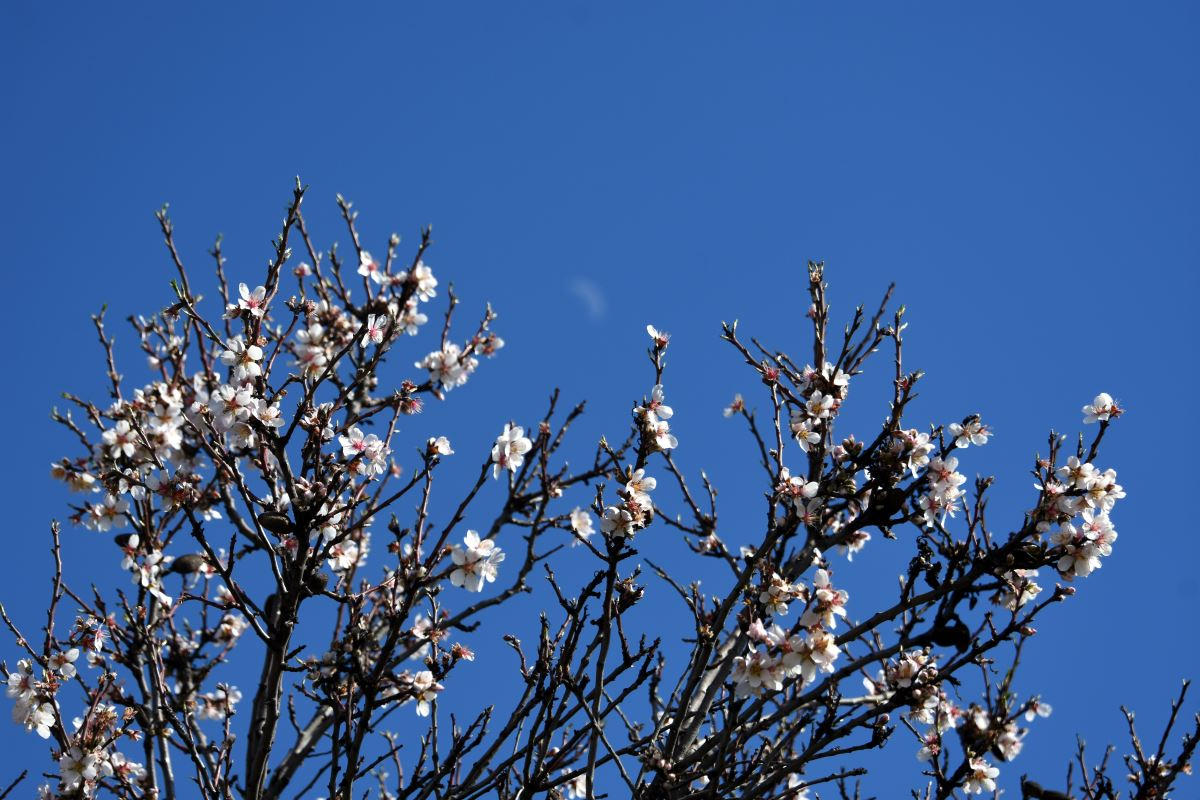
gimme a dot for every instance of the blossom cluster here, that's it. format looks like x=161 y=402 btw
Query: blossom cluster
x=652 y=417
x=181 y=450
x=476 y=562
x=1075 y=502
x=301 y=463
x=803 y=652
x=90 y=755
x=636 y=509
x=823 y=392
x=943 y=491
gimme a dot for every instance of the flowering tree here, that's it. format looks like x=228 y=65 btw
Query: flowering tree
x=246 y=483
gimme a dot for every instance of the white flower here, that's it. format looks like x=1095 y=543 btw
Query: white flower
x=165 y=418
x=982 y=777
x=638 y=489
x=1079 y=559
x=1104 y=491
x=423 y=280
x=837 y=379
x=822 y=652
x=354 y=443
x=794 y=489
x=368 y=267
x=234 y=404
x=124 y=768
x=103 y=516
x=269 y=415
x=440 y=446
x=1098 y=529
x=509 y=450
x=344 y=555
x=1079 y=474
x=828 y=603
x=576 y=788
x=255 y=303
x=1010 y=741
x=64 y=662
x=120 y=439
x=657 y=406
x=411 y=318
x=756 y=673
x=973 y=432
x=943 y=475
x=21 y=686
x=661 y=338
x=582 y=525
x=76 y=766
x=475 y=562
x=376 y=328
x=425 y=690
x=1037 y=708
x=448 y=367
x=776 y=593
x=852 y=544
x=218 y=704
x=367 y=452
x=39 y=718
x=243 y=359
x=663 y=438
x=77 y=480
x=804 y=429
x=736 y=407
x=232 y=626
x=1019 y=589
x=821 y=406
x=311 y=356
x=616 y=522
x=1102 y=409
x=931 y=746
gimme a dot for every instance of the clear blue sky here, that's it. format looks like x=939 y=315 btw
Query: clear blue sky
x=1027 y=174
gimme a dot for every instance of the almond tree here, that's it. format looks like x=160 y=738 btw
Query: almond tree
x=263 y=463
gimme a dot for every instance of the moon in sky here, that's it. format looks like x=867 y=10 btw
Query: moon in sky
x=590 y=295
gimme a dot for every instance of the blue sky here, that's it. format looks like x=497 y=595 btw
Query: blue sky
x=1027 y=175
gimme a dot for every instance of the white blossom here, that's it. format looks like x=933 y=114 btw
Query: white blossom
x=510 y=449
x=121 y=440
x=440 y=446
x=1037 y=708
x=425 y=690
x=971 y=432
x=243 y=359
x=804 y=429
x=252 y=302
x=657 y=409
x=39 y=718
x=582 y=525
x=736 y=407
x=756 y=673
x=218 y=704
x=617 y=521
x=475 y=562
x=638 y=488
x=981 y=778
x=1102 y=409
x=448 y=367
x=424 y=284
x=63 y=662
x=368 y=267
x=377 y=326
x=661 y=338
